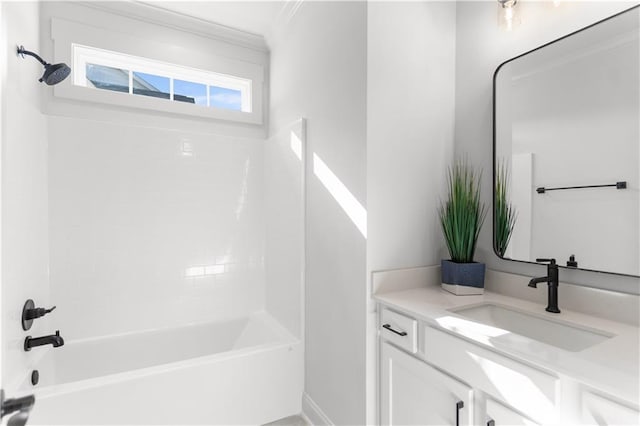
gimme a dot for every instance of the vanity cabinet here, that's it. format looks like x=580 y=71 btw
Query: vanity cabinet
x=429 y=376
x=415 y=393
x=520 y=386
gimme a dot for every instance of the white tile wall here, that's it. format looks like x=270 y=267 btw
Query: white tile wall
x=144 y=236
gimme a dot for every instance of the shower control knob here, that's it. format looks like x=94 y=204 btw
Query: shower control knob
x=30 y=312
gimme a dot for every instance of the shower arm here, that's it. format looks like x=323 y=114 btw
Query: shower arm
x=22 y=51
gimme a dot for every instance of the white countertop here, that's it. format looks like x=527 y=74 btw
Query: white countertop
x=612 y=366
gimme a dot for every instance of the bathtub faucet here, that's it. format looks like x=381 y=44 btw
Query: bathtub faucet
x=54 y=339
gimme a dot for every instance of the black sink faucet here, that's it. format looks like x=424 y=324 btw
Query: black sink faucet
x=54 y=339
x=552 y=280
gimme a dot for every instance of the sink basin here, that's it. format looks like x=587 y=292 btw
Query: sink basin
x=563 y=335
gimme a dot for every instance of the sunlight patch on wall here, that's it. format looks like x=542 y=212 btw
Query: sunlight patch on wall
x=356 y=212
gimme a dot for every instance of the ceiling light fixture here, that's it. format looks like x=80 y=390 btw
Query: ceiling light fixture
x=508 y=16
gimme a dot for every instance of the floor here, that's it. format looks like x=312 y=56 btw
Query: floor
x=289 y=421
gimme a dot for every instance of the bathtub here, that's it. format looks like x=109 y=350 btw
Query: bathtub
x=245 y=371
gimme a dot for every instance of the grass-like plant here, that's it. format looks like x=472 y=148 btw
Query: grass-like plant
x=462 y=214
x=505 y=214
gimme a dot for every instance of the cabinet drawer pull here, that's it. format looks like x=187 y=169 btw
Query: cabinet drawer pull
x=399 y=333
x=459 y=405
x=491 y=423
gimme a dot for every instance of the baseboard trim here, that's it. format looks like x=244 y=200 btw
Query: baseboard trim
x=312 y=413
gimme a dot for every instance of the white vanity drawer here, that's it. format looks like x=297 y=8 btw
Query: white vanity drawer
x=399 y=329
x=528 y=390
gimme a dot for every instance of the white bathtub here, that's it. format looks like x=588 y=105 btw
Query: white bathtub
x=244 y=371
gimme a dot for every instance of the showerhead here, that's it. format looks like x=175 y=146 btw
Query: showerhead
x=53 y=73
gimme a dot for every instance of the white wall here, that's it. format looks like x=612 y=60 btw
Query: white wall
x=410 y=124
x=24 y=191
x=318 y=71
x=480 y=47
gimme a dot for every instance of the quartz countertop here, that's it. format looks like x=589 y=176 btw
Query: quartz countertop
x=611 y=366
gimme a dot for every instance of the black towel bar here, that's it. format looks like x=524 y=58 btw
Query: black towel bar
x=617 y=185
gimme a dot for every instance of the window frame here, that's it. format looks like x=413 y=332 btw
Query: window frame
x=149 y=56
x=84 y=55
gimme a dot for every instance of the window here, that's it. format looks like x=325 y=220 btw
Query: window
x=118 y=72
x=186 y=91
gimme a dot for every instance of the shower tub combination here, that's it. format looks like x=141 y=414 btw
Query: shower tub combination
x=242 y=371
x=248 y=370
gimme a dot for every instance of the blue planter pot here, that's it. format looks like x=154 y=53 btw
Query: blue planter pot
x=462 y=278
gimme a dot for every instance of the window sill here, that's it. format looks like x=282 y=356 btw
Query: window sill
x=69 y=91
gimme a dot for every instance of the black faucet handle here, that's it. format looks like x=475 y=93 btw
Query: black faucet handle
x=551 y=261
x=37 y=312
x=30 y=313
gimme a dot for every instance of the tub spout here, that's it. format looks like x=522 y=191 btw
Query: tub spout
x=54 y=340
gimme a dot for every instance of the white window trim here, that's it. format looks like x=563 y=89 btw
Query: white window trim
x=147 y=56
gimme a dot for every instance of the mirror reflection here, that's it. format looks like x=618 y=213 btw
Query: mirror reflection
x=567 y=152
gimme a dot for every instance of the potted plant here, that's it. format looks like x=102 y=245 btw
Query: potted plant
x=504 y=214
x=461 y=217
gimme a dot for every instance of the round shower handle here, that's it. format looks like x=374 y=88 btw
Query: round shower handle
x=30 y=312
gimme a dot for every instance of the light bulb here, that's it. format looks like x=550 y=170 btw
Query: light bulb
x=508 y=16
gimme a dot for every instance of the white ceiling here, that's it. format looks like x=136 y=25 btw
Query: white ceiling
x=256 y=17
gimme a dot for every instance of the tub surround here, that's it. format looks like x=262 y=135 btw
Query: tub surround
x=610 y=367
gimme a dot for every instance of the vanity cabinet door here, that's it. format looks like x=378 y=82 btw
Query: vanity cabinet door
x=414 y=393
x=528 y=390
x=597 y=410
x=501 y=415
